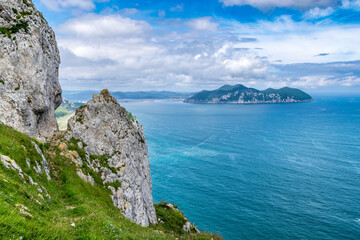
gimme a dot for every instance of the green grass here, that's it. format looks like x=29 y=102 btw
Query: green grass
x=25 y=13
x=72 y=200
x=173 y=220
x=131 y=117
x=63 y=121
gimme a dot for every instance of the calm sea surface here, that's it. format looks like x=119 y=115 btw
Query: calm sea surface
x=286 y=171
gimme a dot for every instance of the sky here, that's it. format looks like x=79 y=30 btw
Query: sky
x=191 y=45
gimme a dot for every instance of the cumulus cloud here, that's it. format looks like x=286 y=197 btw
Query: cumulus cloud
x=265 y=4
x=94 y=26
x=120 y=53
x=318 y=13
x=57 y=5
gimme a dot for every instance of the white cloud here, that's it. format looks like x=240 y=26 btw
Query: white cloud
x=265 y=4
x=351 y=4
x=119 y=53
x=57 y=5
x=93 y=25
x=203 y=23
x=318 y=12
x=350 y=81
x=299 y=42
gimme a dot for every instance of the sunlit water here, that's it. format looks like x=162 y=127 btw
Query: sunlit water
x=282 y=171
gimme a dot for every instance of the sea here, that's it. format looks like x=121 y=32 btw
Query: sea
x=263 y=171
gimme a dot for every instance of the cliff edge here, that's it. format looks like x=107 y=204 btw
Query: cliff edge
x=29 y=63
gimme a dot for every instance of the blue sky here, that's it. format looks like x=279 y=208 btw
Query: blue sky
x=193 y=45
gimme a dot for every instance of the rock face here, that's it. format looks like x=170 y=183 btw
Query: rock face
x=106 y=131
x=29 y=62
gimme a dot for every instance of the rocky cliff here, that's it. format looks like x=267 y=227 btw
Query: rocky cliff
x=72 y=184
x=29 y=62
x=105 y=130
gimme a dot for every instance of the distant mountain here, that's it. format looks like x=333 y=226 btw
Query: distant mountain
x=241 y=94
x=87 y=95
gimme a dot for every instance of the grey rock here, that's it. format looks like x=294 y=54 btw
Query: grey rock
x=11 y=164
x=29 y=63
x=43 y=162
x=80 y=145
x=38 y=168
x=32 y=181
x=102 y=124
x=190 y=228
x=187 y=227
x=86 y=178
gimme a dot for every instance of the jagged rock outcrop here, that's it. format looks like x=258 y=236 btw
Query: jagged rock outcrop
x=29 y=62
x=105 y=130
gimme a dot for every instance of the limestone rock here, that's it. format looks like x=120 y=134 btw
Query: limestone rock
x=86 y=178
x=29 y=62
x=43 y=162
x=104 y=128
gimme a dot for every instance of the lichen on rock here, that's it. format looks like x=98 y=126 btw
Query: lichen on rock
x=105 y=129
x=29 y=59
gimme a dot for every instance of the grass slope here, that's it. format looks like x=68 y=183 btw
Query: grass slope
x=66 y=207
x=63 y=121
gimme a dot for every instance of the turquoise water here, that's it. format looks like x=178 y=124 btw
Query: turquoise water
x=289 y=171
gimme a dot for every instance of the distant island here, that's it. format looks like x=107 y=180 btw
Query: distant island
x=239 y=94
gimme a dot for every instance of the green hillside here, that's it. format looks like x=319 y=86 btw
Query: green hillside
x=241 y=94
x=65 y=207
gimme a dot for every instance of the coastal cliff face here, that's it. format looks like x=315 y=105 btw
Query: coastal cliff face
x=104 y=130
x=29 y=62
